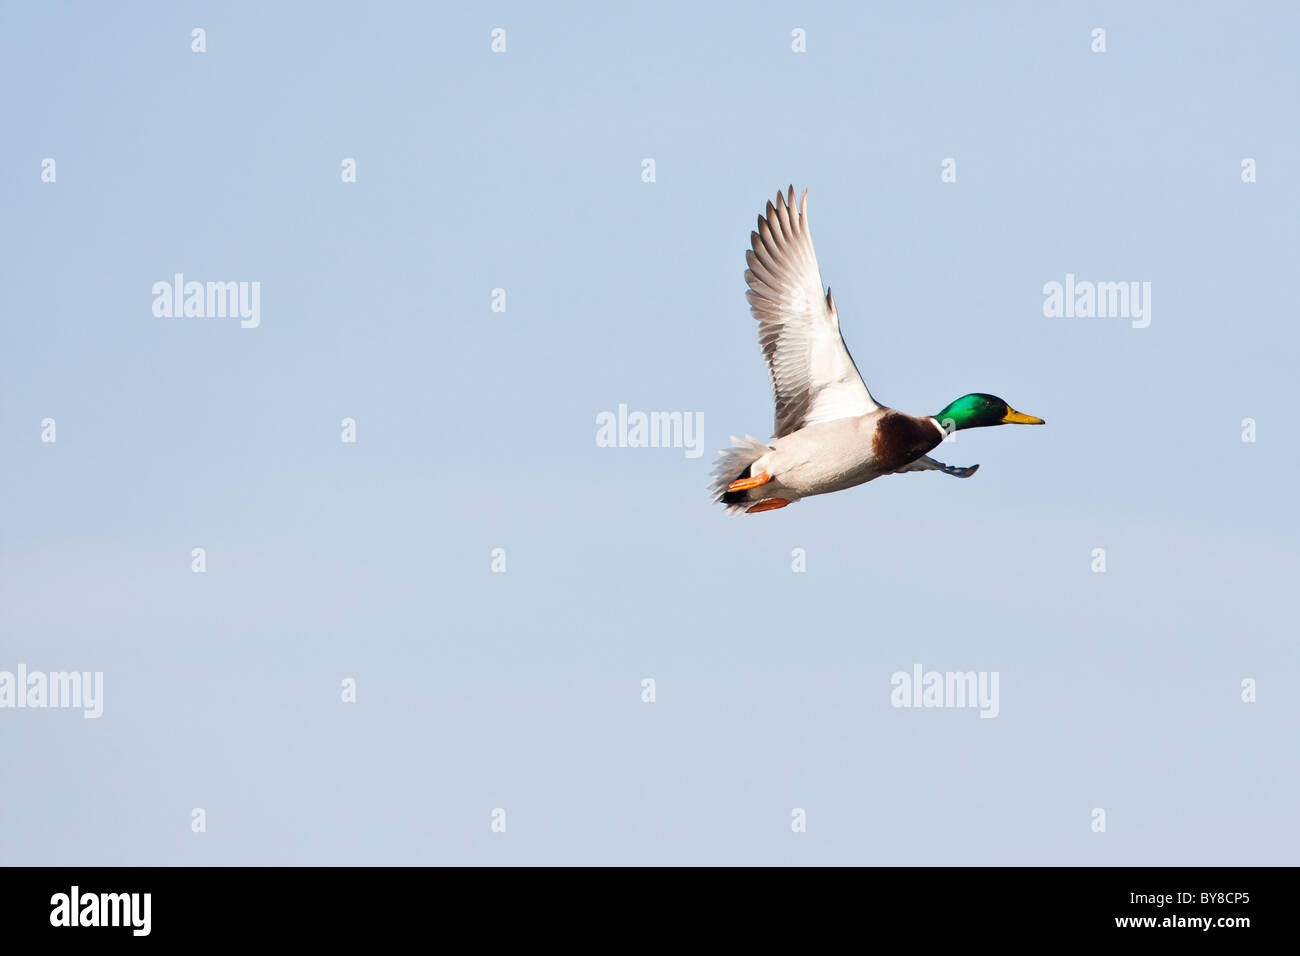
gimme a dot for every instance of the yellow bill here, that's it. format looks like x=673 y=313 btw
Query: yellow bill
x=1014 y=417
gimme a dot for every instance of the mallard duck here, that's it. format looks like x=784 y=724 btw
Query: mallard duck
x=830 y=433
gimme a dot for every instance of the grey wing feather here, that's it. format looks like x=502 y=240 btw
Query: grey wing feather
x=814 y=378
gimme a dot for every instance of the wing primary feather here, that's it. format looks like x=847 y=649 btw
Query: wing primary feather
x=814 y=379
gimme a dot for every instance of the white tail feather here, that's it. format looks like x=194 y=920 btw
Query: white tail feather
x=732 y=461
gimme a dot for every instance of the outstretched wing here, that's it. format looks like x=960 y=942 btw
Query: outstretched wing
x=926 y=463
x=813 y=375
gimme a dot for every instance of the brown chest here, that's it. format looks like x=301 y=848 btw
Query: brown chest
x=900 y=439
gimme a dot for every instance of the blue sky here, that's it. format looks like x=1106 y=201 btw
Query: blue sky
x=476 y=430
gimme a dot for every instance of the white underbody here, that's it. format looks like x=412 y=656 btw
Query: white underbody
x=822 y=458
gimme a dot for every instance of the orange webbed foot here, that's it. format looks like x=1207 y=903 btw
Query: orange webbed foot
x=744 y=484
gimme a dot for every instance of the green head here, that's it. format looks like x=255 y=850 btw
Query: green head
x=978 y=410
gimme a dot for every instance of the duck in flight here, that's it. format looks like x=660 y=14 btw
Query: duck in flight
x=830 y=433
